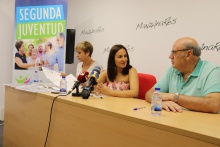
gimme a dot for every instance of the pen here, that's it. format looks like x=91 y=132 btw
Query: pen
x=138 y=108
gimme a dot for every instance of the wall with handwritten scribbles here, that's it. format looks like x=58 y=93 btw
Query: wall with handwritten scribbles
x=147 y=28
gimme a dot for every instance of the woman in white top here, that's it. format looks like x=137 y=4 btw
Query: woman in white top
x=84 y=52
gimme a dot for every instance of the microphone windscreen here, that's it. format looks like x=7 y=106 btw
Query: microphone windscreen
x=83 y=77
x=95 y=72
x=97 y=69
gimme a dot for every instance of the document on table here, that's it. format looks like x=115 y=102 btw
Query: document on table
x=55 y=78
x=34 y=87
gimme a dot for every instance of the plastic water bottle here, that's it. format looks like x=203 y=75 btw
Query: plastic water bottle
x=63 y=86
x=156 y=103
x=36 y=76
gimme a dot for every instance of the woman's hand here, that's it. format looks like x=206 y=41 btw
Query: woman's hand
x=100 y=88
x=83 y=84
x=62 y=74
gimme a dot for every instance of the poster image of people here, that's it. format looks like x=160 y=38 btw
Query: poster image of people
x=40 y=34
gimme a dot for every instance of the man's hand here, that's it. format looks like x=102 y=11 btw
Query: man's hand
x=171 y=106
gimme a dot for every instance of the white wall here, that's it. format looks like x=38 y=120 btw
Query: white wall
x=108 y=22
x=114 y=21
x=6 y=37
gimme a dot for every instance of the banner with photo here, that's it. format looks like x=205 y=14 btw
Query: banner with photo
x=40 y=37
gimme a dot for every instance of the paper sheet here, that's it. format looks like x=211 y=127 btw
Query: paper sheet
x=55 y=78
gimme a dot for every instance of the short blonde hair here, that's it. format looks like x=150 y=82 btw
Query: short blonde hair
x=86 y=47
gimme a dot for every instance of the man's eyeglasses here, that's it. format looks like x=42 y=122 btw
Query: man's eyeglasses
x=174 y=52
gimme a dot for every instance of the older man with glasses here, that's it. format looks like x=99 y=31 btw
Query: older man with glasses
x=59 y=54
x=190 y=82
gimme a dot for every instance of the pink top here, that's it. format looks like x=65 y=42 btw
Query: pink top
x=118 y=85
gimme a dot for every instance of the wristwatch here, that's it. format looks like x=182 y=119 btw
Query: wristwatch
x=176 y=96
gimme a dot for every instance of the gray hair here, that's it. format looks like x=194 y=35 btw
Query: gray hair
x=62 y=35
x=196 y=49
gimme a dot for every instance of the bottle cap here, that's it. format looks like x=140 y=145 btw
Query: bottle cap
x=157 y=89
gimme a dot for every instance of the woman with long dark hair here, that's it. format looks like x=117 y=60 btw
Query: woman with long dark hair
x=120 y=79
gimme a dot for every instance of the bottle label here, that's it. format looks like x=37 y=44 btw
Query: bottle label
x=62 y=90
x=35 y=80
x=156 y=108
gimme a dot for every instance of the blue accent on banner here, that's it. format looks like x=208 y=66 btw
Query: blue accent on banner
x=39 y=13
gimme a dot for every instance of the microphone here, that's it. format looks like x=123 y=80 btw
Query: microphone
x=93 y=76
x=81 y=79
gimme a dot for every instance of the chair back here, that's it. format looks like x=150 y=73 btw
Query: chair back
x=146 y=82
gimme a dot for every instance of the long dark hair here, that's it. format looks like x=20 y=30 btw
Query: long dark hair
x=111 y=69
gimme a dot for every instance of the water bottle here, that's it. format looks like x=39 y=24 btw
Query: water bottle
x=36 y=76
x=156 y=103
x=63 y=85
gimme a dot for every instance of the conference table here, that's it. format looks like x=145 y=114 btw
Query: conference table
x=101 y=122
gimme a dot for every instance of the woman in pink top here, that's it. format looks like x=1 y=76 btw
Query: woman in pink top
x=120 y=79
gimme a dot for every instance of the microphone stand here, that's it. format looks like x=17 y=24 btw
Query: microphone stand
x=77 y=92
